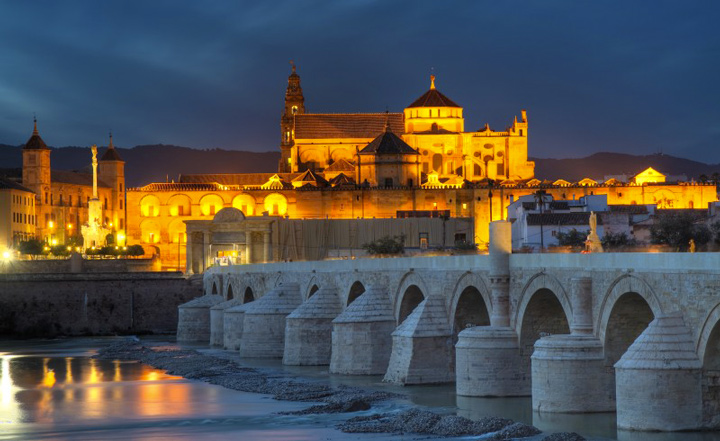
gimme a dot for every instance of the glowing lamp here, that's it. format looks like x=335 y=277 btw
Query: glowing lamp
x=69 y=226
x=7 y=255
x=110 y=224
x=53 y=242
x=69 y=248
x=51 y=224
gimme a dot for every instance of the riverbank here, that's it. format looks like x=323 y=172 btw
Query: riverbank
x=322 y=399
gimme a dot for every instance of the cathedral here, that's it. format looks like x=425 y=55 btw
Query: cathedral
x=363 y=166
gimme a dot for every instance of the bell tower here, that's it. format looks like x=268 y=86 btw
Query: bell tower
x=294 y=105
x=36 y=165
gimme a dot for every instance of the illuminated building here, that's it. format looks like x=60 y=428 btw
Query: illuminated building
x=17 y=214
x=62 y=197
x=379 y=165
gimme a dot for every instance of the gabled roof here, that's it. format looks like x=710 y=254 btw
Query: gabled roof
x=341 y=165
x=388 y=143
x=309 y=177
x=346 y=125
x=342 y=180
x=433 y=98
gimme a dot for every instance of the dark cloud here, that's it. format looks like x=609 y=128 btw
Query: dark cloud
x=595 y=76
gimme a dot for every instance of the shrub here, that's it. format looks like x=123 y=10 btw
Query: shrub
x=386 y=245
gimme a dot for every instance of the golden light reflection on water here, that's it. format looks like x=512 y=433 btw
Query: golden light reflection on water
x=32 y=389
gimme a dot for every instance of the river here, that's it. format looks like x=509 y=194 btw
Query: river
x=54 y=390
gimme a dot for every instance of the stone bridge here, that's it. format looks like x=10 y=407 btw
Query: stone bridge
x=635 y=333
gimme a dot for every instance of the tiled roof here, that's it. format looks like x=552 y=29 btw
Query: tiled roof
x=35 y=142
x=111 y=155
x=388 y=143
x=177 y=186
x=7 y=184
x=346 y=125
x=632 y=209
x=581 y=219
x=241 y=179
x=340 y=165
x=74 y=178
x=309 y=176
x=433 y=98
x=342 y=179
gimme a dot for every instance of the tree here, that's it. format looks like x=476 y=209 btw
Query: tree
x=32 y=247
x=676 y=230
x=135 y=250
x=572 y=238
x=386 y=245
x=618 y=240
x=703 y=178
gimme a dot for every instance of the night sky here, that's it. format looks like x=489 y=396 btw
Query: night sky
x=635 y=77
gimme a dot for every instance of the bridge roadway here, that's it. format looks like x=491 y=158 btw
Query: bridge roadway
x=635 y=333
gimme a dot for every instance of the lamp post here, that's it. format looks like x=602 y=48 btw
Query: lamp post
x=540 y=199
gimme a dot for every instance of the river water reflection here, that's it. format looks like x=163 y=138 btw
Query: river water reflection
x=54 y=390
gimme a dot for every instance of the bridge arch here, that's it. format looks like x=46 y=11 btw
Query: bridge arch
x=470 y=303
x=410 y=292
x=356 y=290
x=230 y=289
x=708 y=335
x=312 y=288
x=536 y=283
x=248 y=295
x=544 y=308
x=627 y=283
x=708 y=350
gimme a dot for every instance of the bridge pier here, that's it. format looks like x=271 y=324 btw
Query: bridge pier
x=194 y=319
x=233 y=320
x=308 y=329
x=361 y=336
x=217 y=321
x=422 y=350
x=658 y=379
x=488 y=357
x=568 y=373
x=263 y=334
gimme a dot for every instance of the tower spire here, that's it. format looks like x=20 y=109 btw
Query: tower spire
x=35 y=130
x=387 y=120
x=432 y=81
x=110 y=145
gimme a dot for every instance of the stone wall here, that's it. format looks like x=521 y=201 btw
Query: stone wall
x=47 y=305
x=50 y=266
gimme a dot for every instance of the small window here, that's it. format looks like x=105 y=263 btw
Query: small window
x=212 y=210
x=424 y=241
x=181 y=210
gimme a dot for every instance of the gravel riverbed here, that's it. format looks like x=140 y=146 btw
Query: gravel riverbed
x=192 y=364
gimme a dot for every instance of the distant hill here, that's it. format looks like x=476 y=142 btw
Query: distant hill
x=598 y=165
x=156 y=163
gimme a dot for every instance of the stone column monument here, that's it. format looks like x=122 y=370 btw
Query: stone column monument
x=94 y=232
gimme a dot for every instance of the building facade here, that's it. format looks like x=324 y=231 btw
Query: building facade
x=62 y=198
x=420 y=162
x=17 y=211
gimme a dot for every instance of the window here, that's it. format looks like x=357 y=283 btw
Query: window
x=212 y=209
x=181 y=210
x=410 y=182
x=46 y=198
x=51 y=198
x=121 y=204
x=122 y=223
x=70 y=201
x=460 y=238
x=424 y=241
x=388 y=182
x=121 y=187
